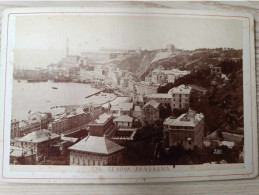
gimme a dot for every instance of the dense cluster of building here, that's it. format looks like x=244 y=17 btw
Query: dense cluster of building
x=93 y=134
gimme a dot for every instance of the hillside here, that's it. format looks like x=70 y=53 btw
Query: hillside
x=142 y=64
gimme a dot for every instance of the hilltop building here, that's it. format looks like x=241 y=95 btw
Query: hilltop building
x=187 y=129
x=216 y=70
x=158 y=76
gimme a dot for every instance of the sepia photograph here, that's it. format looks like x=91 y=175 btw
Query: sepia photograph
x=152 y=92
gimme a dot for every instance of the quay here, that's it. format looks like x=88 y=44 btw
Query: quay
x=95 y=93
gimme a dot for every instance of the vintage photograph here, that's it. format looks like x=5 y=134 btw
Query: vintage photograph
x=127 y=90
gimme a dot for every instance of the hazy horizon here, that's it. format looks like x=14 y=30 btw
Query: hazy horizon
x=42 y=40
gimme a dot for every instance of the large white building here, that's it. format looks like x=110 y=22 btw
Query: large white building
x=180 y=97
x=187 y=129
x=165 y=76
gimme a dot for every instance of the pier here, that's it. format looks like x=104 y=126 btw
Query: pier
x=95 y=93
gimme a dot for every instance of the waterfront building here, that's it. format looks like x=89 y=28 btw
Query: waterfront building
x=180 y=97
x=78 y=118
x=59 y=125
x=94 y=109
x=70 y=61
x=96 y=149
x=151 y=111
x=14 y=128
x=28 y=126
x=39 y=142
x=43 y=118
x=187 y=130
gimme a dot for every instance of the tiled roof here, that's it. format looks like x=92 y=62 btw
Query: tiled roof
x=95 y=144
x=39 y=136
x=103 y=118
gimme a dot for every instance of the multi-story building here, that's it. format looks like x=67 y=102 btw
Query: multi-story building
x=59 y=125
x=43 y=118
x=165 y=76
x=144 y=88
x=124 y=121
x=163 y=98
x=96 y=149
x=180 y=97
x=151 y=111
x=187 y=129
x=76 y=119
x=28 y=126
x=124 y=108
x=69 y=121
x=138 y=113
x=94 y=109
x=39 y=142
x=14 y=128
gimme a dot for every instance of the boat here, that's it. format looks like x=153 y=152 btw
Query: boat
x=36 y=80
x=54 y=88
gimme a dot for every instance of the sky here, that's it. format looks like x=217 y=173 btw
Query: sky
x=41 y=40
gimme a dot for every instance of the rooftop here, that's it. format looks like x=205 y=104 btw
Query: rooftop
x=137 y=109
x=19 y=152
x=124 y=106
x=159 y=95
x=39 y=136
x=103 y=118
x=182 y=89
x=189 y=119
x=152 y=103
x=123 y=118
x=196 y=87
x=95 y=144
